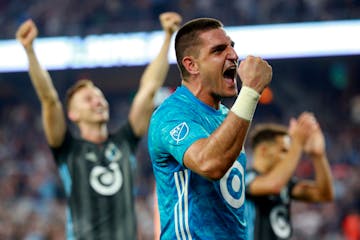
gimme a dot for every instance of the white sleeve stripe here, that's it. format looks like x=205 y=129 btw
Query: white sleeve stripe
x=181 y=213
x=186 y=199
x=176 y=206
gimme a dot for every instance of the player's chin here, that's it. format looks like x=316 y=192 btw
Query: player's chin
x=230 y=92
x=230 y=87
x=104 y=118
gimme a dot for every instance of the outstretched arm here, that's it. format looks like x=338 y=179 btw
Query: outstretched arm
x=52 y=111
x=153 y=78
x=321 y=189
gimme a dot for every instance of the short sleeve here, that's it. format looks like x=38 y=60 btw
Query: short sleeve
x=175 y=133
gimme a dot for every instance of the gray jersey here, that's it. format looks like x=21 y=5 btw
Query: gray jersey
x=99 y=186
x=268 y=215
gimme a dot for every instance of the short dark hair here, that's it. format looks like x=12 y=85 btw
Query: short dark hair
x=76 y=87
x=266 y=132
x=187 y=39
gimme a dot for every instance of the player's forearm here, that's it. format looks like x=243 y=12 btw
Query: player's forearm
x=156 y=72
x=323 y=178
x=222 y=148
x=212 y=157
x=52 y=112
x=273 y=181
x=40 y=79
x=151 y=80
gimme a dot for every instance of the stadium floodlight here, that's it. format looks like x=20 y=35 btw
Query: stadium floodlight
x=272 y=41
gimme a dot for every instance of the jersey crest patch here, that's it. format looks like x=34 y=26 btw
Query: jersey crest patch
x=112 y=153
x=179 y=132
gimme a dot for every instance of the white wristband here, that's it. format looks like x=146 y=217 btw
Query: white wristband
x=246 y=102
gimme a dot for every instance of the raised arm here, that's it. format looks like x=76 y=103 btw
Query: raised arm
x=52 y=111
x=153 y=77
x=273 y=181
x=320 y=189
x=213 y=156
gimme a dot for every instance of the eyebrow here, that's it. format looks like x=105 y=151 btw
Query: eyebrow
x=222 y=46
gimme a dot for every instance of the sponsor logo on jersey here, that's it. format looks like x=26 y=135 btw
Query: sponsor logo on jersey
x=107 y=180
x=232 y=186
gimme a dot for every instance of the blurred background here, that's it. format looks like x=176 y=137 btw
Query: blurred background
x=32 y=201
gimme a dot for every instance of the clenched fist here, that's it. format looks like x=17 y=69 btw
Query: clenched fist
x=255 y=73
x=26 y=33
x=170 y=21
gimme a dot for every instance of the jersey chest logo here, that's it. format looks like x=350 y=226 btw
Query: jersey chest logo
x=232 y=186
x=279 y=222
x=108 y=180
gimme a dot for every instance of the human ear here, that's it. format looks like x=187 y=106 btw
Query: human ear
x=190 y=65
x=73 y=115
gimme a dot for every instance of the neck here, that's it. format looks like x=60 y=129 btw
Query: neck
x=202 y=95
x=94 y=133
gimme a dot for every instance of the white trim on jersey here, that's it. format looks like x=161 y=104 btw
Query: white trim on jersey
x=181 y=209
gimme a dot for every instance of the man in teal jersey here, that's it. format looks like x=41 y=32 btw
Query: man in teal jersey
x=196 y=143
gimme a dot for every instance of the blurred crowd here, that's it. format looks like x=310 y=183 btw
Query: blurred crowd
x=32 y=198
x=66 y=17
x=32 y=201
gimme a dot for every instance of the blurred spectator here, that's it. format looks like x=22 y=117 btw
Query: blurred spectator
x=351 y=226
x=65 y=17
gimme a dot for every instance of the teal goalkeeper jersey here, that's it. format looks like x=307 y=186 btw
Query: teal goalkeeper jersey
x=191 y=206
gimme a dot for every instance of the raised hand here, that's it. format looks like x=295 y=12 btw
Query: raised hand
x=315 y=144
x=303 y=127
x=26 y=33
x=255 y=73
x=170 y=21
